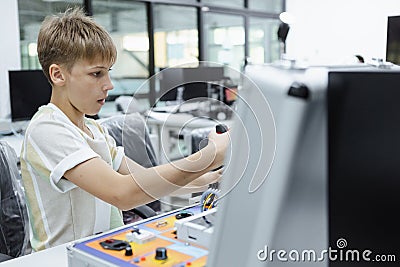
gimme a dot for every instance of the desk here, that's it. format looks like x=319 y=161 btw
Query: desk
x=56 y=256
x=163 y=123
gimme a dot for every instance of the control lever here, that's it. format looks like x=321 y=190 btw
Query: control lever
x=220 y=129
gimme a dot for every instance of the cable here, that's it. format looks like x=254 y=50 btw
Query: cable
x=208 y=201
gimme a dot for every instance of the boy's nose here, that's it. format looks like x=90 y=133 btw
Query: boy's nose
x=108 y=84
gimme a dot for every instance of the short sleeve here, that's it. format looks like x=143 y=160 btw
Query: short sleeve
x=54 y=147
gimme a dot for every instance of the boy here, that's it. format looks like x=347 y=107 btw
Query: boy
x=76 y=179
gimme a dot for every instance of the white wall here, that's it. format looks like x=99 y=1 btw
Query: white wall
x=332 y=31
x=9 y=51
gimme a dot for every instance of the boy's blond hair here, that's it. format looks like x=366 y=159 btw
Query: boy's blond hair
x=72 y=36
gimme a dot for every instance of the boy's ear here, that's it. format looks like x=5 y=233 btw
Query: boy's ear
x=56 y=74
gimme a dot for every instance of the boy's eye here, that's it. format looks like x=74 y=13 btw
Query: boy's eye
x=96 y=74
x=100 y=73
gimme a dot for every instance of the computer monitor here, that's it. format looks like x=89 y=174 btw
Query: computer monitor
x=194 y=90
x=29 y=89
x=314 y=166
x=363 y=163
x=170 y=79
x=393 y=40
x=203 y=74
x=193 y=81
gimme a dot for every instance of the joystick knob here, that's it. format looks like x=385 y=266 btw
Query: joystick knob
x=128 y=251
x=221 y=128
x=161 y=253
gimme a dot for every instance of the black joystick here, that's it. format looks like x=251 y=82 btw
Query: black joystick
x=128 y=251
x=221 y=128
x=161 y=253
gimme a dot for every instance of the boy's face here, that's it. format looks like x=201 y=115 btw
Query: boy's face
x=87 y=86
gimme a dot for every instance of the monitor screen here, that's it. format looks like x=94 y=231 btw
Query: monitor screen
x=193 y=81
x=393 y=40
x=195 y=90
x=363 y=149
x=170 y=79
x=29 y=89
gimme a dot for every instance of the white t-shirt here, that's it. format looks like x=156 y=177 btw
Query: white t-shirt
x=59 y=211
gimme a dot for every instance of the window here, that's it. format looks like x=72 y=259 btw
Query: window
x=175 y=36
x=126 y=22
x=224 y=39
x=31 y=15
x=226 y=3
x=263 y=40
x=270 y=6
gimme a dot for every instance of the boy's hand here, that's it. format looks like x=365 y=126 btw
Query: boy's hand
x=200 y=184
x=207 y=178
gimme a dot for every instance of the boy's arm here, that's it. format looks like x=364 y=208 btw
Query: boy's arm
x=142 y=185
x=201 y=184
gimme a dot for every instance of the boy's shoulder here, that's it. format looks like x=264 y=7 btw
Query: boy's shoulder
x=48 y=118
x=45 y=109
x=48 y=113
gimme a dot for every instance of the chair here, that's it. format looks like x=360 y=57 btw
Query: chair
x=14 y=223
x=130 y=132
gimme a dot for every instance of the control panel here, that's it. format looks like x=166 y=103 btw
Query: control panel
x=173 y=239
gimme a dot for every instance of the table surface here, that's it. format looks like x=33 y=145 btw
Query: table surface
x=56 y=256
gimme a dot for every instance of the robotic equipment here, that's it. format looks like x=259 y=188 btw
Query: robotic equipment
x=281 y=202
x=312 y=179
x=332 y=187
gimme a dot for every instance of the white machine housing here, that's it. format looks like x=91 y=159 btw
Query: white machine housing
x=280 y=200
